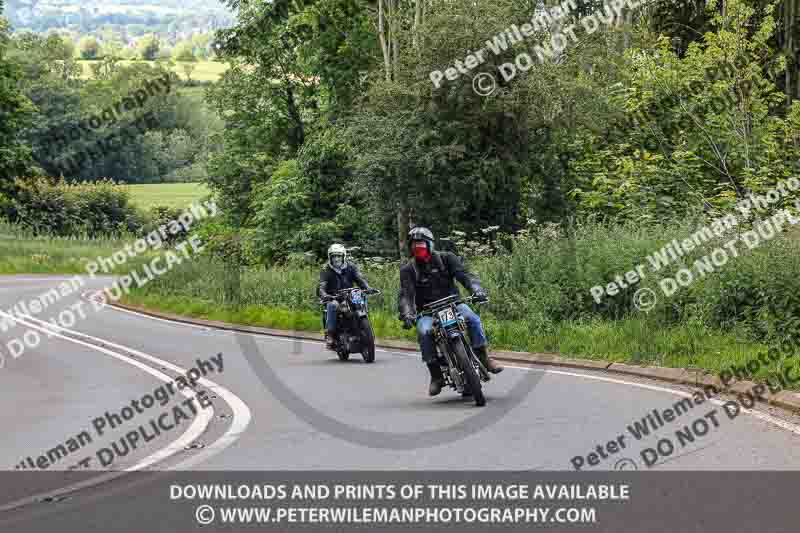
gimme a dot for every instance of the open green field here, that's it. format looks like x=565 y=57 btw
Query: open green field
x=166 y=194
x=204 y=70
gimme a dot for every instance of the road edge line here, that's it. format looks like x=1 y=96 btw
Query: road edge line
x=784 y=399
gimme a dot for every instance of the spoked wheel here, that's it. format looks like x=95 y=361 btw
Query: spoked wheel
x=465 y=362
x=367 y=341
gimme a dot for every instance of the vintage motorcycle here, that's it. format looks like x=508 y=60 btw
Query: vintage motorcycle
x=353 y=325
x=461 y=368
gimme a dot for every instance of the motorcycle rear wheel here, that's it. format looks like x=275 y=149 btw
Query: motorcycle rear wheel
x=465 y=362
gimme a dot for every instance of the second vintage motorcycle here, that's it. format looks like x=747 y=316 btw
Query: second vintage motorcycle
x=353 y=326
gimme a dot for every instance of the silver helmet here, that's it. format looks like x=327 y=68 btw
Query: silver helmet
x=420 y=234
x=337 y=257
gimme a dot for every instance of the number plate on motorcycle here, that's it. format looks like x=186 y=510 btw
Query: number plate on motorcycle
x=356 y=297
x=447 y=317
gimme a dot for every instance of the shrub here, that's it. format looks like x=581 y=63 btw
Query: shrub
x=56 y=207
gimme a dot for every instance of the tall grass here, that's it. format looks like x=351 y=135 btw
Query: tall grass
x=23 y=252
x=541 y=300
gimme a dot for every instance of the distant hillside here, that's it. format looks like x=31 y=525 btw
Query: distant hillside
x=164 y=17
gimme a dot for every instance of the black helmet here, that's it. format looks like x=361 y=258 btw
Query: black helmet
x=420 y=234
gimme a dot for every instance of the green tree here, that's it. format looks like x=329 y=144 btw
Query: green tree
x=17 y=112
x=188 y=67
x=279 y=86
x=183 y=52
x=89 y=48
x=112 y=49
x=699 y=131
x=148 y=47
x=184 y=55
x=68 y=48
x=202 y=42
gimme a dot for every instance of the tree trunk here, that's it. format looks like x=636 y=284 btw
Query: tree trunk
x=792 y=66
x=387 y=58
x=402 y=230
x=393 y=26
x=297 y=134
x=417 y=22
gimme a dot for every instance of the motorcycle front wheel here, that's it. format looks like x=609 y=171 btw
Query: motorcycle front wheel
x=367 y=341
x=465 y=362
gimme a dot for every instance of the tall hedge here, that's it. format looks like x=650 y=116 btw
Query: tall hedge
x=55 y=207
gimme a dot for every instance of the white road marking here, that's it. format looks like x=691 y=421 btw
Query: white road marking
x=27 y=287
x=241 y=413
x=794 y=428
x=11 y=279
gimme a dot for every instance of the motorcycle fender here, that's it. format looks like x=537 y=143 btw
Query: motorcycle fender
x=453 y=333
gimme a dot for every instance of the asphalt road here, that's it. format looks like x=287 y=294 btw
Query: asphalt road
x=349 y=414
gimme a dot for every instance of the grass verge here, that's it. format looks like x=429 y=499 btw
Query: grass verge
x=282 y=299
x=627 y=341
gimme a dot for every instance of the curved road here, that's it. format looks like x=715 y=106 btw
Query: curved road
x=52 y=393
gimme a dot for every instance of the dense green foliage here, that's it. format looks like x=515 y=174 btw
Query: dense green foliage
x=335 y=121
x=327 y=127
x=17 y=111
x=167 y=136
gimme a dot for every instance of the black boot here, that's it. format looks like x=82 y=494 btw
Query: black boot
x=437 y=379
x=487 y=361
x=330 y=340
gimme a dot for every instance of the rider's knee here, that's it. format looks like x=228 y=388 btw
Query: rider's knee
x=468 y=314
x=424 y=327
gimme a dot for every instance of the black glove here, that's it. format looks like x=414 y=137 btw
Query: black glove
x=479 y=295
x=408 y=321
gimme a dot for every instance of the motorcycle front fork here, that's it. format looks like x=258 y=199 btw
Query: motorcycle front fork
x=452 y=376
x=451 y=367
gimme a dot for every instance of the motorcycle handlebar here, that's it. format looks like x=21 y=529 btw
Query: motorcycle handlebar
x=469 y=299
x=342 y=293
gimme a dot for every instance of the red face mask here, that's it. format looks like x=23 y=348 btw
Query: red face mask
x=421 y=253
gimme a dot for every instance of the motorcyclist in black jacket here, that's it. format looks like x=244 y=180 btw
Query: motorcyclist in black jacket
x=338 y=274
x=429 y=276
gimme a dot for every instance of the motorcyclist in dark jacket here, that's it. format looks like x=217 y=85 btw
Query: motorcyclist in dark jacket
x=431 y=276
x=338 y=274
